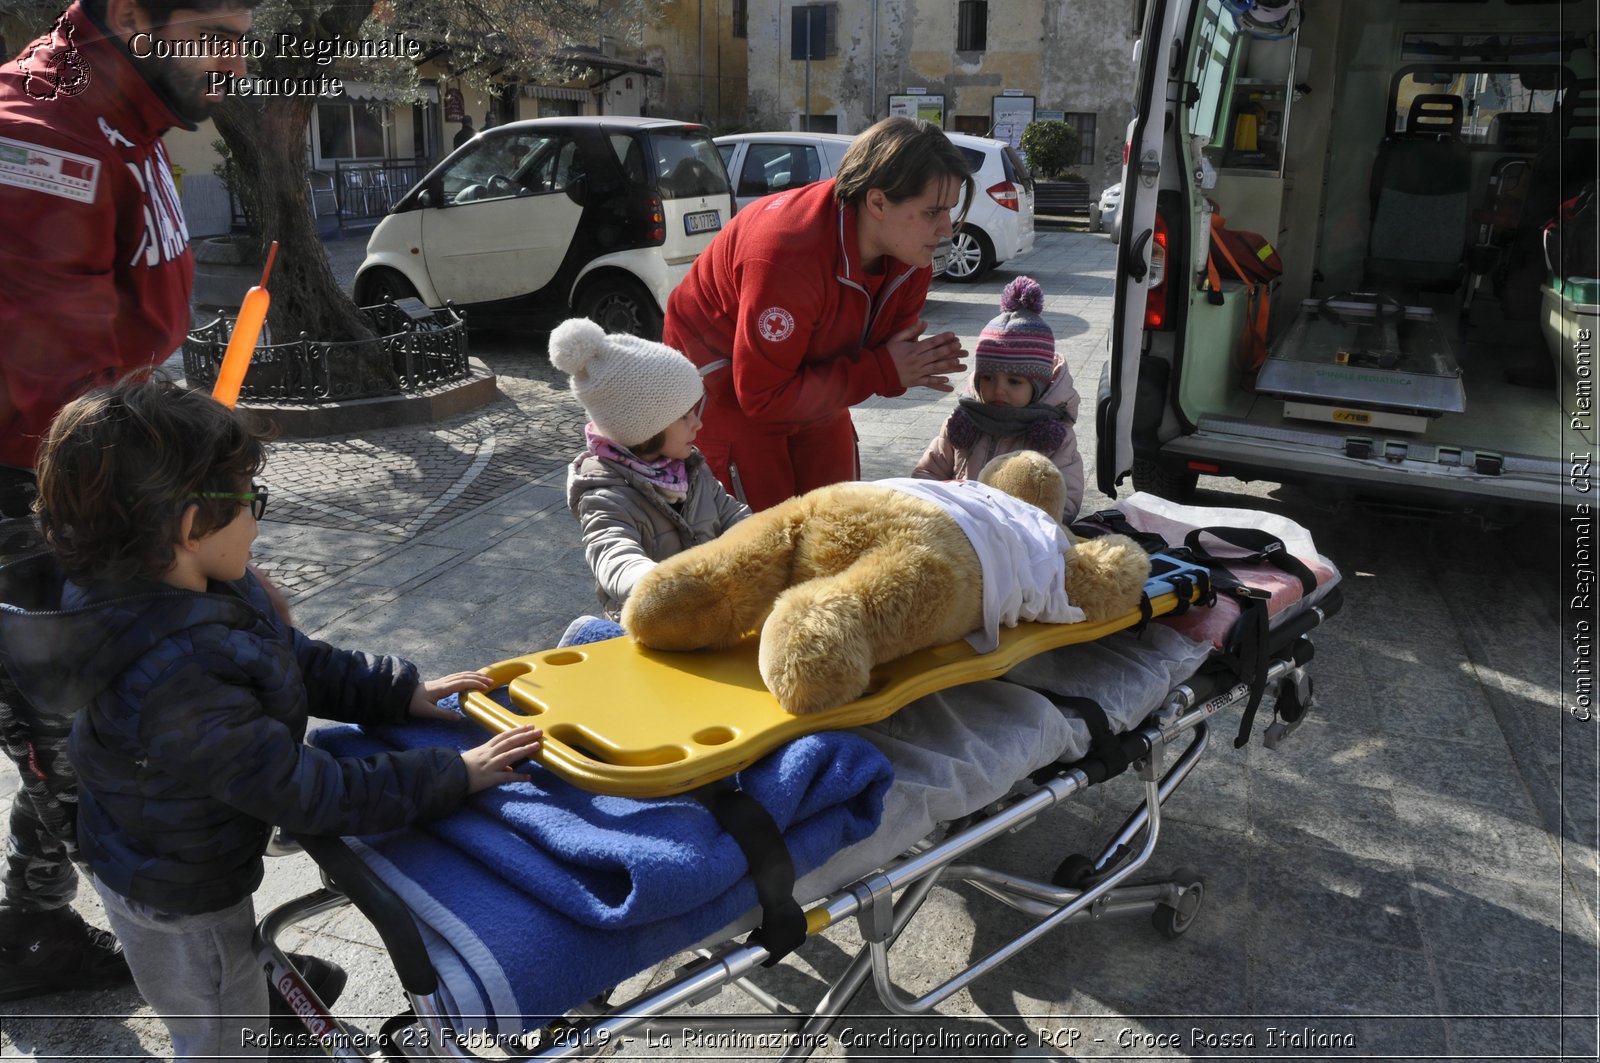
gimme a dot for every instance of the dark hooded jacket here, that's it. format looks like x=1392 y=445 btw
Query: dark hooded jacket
x=191 y=711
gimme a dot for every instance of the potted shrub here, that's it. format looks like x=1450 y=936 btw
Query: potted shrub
x=1051 y=148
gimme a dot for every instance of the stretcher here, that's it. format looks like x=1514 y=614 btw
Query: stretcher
x=970 y=761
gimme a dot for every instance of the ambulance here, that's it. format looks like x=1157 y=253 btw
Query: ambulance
x=1354 y=255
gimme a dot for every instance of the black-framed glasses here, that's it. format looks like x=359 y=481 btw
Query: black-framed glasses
x=256 y=497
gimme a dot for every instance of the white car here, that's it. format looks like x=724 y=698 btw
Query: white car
x=760 y=164
x=598 y=216
x=999 y=224
x=1108 y=213
x=1108 y=218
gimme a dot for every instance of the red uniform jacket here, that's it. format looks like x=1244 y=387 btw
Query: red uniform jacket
x=781 y=296
x=95 y=266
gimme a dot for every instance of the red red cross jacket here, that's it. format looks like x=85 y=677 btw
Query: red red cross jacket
x=782 y=296
x=95 y=267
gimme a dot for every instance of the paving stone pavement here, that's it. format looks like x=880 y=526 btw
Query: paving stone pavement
x=1412 y=875
x=342 y=504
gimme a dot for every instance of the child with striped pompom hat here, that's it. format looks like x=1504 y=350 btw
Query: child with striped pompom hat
x=1020 y=397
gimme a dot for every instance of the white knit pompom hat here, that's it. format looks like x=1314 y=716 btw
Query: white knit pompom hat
x=631 y=388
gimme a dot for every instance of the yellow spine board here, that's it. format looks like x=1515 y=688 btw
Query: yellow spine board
x=622 y=719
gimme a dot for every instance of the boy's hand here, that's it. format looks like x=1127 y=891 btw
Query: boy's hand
x=425 y=702
x=490 y=764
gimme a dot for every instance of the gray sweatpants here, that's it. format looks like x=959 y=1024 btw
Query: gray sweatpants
x=199 y=973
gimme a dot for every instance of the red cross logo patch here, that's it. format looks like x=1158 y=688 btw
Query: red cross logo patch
x=775 y=324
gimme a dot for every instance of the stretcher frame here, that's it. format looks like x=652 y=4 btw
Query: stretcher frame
x=1100 y=889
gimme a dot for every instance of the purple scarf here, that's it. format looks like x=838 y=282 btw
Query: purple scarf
x=670 y=476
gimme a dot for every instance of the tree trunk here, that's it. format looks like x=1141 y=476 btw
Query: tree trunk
x=266 y=138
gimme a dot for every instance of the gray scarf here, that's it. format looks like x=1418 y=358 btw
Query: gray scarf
x=1045 y=427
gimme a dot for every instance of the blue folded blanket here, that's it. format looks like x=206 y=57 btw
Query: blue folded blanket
x=536 y=896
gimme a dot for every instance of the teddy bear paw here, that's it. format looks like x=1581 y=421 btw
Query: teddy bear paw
x=815 y=653
x=679 y=612
x=1106 y=576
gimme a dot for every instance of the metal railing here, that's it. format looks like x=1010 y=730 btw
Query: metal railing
x=366 y=190
x=355 y=192
x=416 y=349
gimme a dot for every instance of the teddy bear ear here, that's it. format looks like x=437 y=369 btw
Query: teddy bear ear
x=574 y=343
x=1030 y=476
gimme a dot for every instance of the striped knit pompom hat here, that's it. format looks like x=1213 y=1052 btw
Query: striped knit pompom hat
x=1018 y=342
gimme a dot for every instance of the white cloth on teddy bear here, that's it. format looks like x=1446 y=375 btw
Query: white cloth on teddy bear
x=1019 y=549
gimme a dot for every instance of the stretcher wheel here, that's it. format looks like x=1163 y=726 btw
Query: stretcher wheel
x=1170 y=920
x=1296 y=696
x=1076 y=872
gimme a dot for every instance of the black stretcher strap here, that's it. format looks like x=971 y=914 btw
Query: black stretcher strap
x=1113 y=522
x=1247 y=656
x=1103 y=744
x=783 y=921
x=1249 y=652
x=1109 y=753
x=1263 y=546
x=1183 y=586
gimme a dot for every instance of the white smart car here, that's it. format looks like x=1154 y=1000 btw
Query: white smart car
x=598 y=216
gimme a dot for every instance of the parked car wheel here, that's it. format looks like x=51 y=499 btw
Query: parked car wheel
x=619 y=304
x=971 y=255
x=381 y=285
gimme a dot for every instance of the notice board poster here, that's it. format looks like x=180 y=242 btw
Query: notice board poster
x=453 y=107
x=909 y=105
x=1011 y=116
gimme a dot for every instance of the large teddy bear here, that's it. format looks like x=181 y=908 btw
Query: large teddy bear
x=849 y=576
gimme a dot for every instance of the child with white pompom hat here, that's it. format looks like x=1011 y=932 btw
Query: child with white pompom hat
x=1020 y=397
x=640 y=489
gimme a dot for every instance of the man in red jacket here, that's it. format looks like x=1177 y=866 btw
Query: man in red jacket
x=810 y=301
x=95 y=279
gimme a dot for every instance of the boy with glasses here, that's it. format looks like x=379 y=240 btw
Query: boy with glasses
x=192 y=697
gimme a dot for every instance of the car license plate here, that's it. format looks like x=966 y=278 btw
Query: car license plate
x=705 y=221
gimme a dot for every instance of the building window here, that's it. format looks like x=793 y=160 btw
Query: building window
x=972 y=26
x=812 y=29
x=1083 y=123
x=741 y=19
x=350 y=131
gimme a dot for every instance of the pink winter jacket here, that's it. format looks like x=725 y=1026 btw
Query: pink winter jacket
x=943 y=460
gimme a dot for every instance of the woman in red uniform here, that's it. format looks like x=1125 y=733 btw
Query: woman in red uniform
x=810 y=301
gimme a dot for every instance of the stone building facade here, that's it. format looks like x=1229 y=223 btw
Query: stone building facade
x=976 y=66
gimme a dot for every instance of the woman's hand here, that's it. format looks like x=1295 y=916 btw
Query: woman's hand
x=490 y=764
x=925 y=362
x=425 y=702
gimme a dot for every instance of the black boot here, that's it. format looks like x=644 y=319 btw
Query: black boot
x=48 y=952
